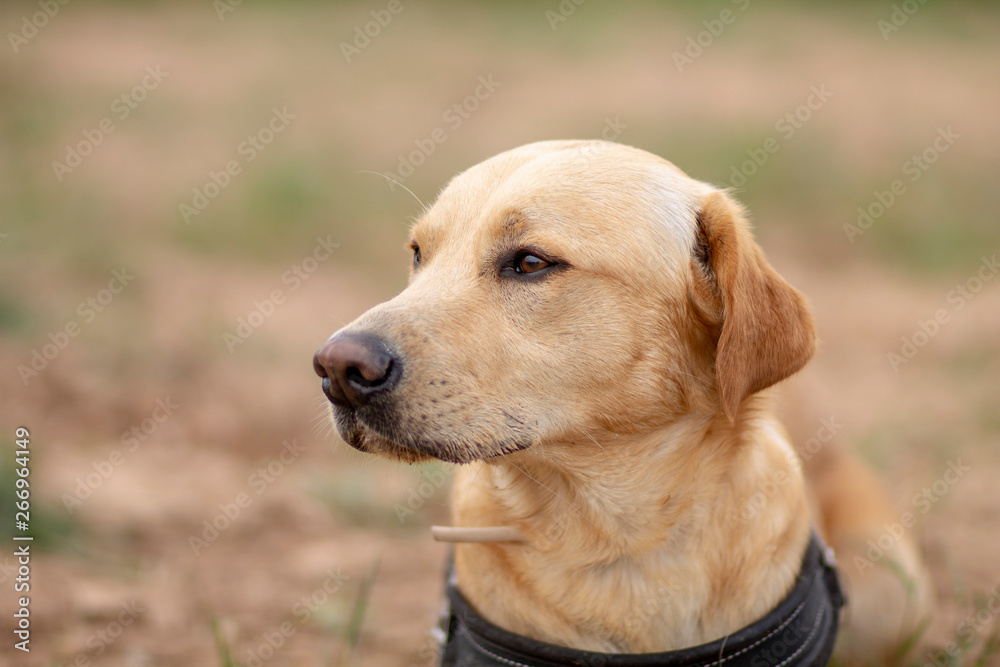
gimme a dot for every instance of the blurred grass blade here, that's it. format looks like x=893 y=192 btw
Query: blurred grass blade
x=909 y=642
x=352 y=633
x=222 y=644
x=991 y=648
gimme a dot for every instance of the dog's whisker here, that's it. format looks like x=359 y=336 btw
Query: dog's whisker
x=526 y=474
x=387 y=177
x=324 y=430
x=594 y=440
x=323 y=419
x=475 y=478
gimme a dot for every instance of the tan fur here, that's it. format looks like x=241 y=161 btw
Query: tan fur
x=889 y=598
x=608 y=410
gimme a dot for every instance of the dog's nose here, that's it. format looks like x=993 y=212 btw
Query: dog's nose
x=355 y=367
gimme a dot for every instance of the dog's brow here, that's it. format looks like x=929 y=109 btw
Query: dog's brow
x=513 y=220
x=425 y=227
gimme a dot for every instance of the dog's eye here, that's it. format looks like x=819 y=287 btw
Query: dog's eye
x=531 y=264
x=528 y=263
x=416 y=254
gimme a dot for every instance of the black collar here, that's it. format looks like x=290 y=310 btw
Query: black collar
x=799 y=631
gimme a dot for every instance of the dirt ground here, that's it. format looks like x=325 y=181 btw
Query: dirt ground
x=188 y=493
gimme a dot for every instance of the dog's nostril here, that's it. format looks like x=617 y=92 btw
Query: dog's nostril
x=356 y=376
x=369 y=375
x=354 y=367
x=327 y=386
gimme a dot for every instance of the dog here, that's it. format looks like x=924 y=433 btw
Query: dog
x=591 y=334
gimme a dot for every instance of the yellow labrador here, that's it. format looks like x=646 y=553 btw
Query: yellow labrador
x=588 y=331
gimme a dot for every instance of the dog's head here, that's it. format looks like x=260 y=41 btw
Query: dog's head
x=561 y=291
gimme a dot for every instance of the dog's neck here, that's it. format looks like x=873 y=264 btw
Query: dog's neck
x=677 y=508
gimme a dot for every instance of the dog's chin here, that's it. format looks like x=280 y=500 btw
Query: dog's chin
x=394 y=441
x=369 y=443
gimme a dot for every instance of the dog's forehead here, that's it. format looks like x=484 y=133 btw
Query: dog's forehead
x=578 y=189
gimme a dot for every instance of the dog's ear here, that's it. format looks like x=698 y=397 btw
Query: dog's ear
x=764 y=329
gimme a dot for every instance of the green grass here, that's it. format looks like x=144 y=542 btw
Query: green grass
x=287 y=197
x=349 y=654
x=52 y=528
x=962 y=650
x=345 y=628
x=15 y=317
x=353 y=495
x=222 y=645
x=264 y=209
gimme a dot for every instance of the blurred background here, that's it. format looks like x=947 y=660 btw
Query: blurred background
x=193 y=198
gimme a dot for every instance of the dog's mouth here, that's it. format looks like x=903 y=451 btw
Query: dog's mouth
x=377 y=431
x=372 y=437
